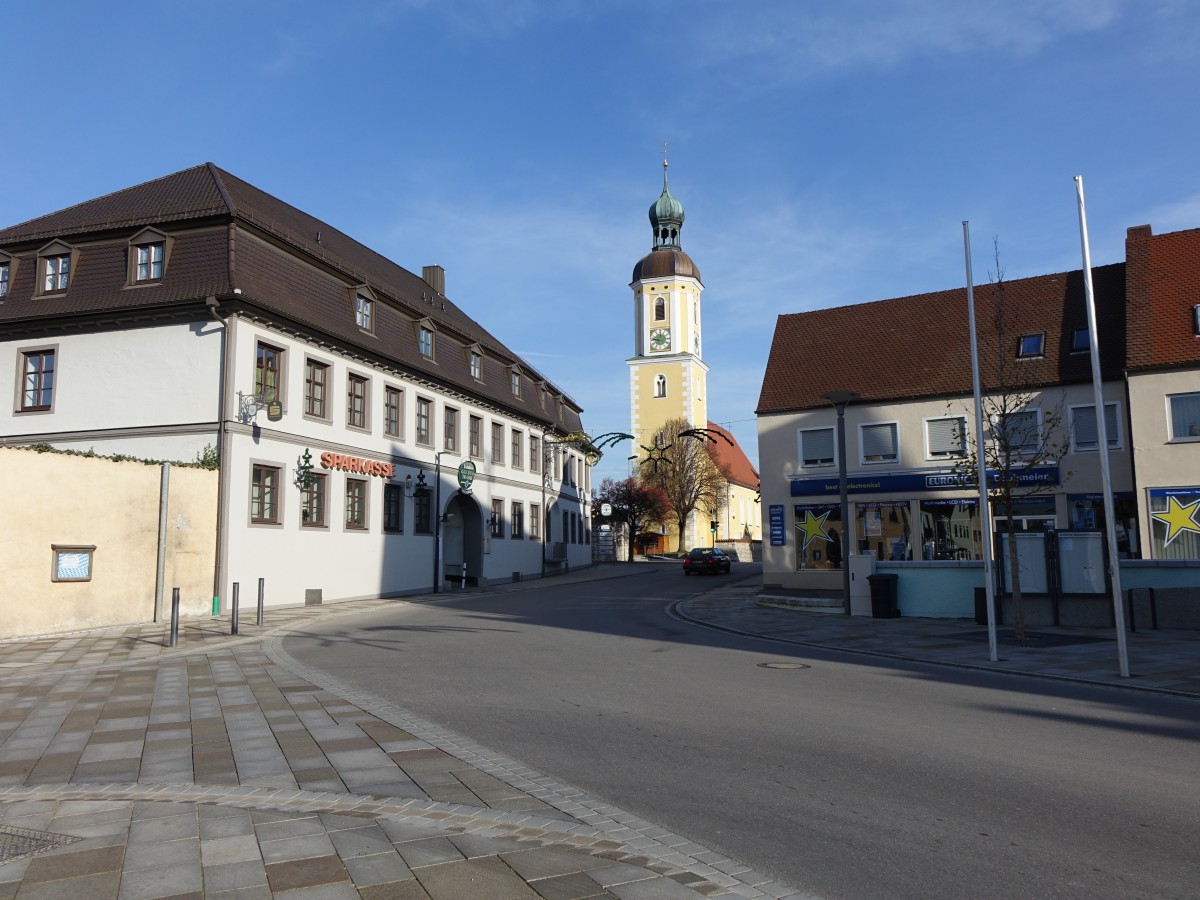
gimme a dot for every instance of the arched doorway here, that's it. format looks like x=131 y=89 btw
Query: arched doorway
x=462 y=540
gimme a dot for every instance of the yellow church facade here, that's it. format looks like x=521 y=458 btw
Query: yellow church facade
x=668 y=376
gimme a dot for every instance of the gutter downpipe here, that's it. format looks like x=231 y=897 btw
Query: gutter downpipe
x=223 y=461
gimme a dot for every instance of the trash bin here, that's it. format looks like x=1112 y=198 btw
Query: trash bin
x=883 y=596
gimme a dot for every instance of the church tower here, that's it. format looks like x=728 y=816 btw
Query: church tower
x=666 y=372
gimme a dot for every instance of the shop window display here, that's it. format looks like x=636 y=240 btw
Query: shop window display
x=818 y=536
x=883 y=529
x=1175 y=523
x=951 y=529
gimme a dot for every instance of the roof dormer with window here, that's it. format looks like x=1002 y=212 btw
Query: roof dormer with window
x=149 y=251
x=57 y=262
x=426 y=330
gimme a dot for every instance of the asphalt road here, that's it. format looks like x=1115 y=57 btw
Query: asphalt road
x=855 y=778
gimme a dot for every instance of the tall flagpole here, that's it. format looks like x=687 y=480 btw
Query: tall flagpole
x=985 y=512
x=1110 y=519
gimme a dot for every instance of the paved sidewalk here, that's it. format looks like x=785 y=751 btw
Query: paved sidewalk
x=220 y=768
x=1160 y=661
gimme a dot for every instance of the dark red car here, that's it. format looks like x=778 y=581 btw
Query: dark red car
x=706 y=561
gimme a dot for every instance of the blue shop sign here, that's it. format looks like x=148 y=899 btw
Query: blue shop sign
x=778 y=534
x=908 y=482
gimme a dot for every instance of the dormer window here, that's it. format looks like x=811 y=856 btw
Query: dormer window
x=150 y=262
x=1080 y=341
x=5 y=267
x=475 y=362
x=148 y=252
x=425 y=336
x=55 y=263
x=364 y=312
x=1195 y=318
x=514 y=380
x=1030 y=346
x=365 y=306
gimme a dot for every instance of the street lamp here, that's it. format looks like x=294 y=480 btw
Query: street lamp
x=839 y=399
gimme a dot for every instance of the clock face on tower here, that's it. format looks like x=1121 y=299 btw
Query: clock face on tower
x=660 y=339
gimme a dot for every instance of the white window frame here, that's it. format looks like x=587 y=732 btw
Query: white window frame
x=364 y=313
x=1171 y=436
x=56 y=273
x=862 y=456
x=1113 y=434
x=475 y=362
x=1020 y=451
x=931 y=453
x=804 y=464
x=5 y=277
x=425 y=340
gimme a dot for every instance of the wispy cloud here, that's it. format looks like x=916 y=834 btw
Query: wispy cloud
x=790 y=41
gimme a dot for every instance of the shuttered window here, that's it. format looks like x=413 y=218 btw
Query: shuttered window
x=946 y=436
x=879 y=442
x=816 y=447
x=1084 y=431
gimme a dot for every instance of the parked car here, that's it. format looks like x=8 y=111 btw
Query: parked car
x=706 y=560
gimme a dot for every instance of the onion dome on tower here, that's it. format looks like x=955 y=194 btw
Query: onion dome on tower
x=666 y=259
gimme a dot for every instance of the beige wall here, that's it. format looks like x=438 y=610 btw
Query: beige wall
x=1160 y=460
x=53 y=498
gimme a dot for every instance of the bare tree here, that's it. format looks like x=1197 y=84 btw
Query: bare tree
x=1025 y=427
x=681 y=465
x=639 y=506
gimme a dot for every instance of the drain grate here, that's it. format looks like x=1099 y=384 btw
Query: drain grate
x=783 y=665
x=17 y=843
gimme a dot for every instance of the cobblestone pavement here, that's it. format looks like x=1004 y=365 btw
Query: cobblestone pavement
x=221 y=768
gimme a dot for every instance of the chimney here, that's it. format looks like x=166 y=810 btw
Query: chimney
x=435 y=277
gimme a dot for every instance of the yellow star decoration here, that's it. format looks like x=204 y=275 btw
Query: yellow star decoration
x=1178 y=518
x=814 y=527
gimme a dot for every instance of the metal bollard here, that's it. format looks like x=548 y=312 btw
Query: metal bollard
x=261 y=595
x=174 y=617
x=233 y=622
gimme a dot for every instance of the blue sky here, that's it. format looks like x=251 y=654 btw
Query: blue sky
x=825 y=153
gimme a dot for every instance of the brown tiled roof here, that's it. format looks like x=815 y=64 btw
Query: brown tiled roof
x=310 y=285
x=917 y=347
x=730 y=457
x=1164 y=287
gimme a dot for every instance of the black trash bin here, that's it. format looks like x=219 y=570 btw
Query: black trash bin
x=883 y=596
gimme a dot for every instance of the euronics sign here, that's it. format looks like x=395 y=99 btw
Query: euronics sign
x=906 y=482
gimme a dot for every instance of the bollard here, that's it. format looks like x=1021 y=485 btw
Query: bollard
x=462 y=585
x=261 y=594
x=233 y=622
x=174 y=617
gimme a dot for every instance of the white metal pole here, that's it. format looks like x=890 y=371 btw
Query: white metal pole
x=1110 y=520
x=985 y=512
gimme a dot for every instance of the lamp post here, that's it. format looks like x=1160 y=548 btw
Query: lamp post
x=437 y=521
x=839 y=399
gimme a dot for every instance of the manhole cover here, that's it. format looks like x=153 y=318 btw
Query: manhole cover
x=17 y=843
x=783 y=665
